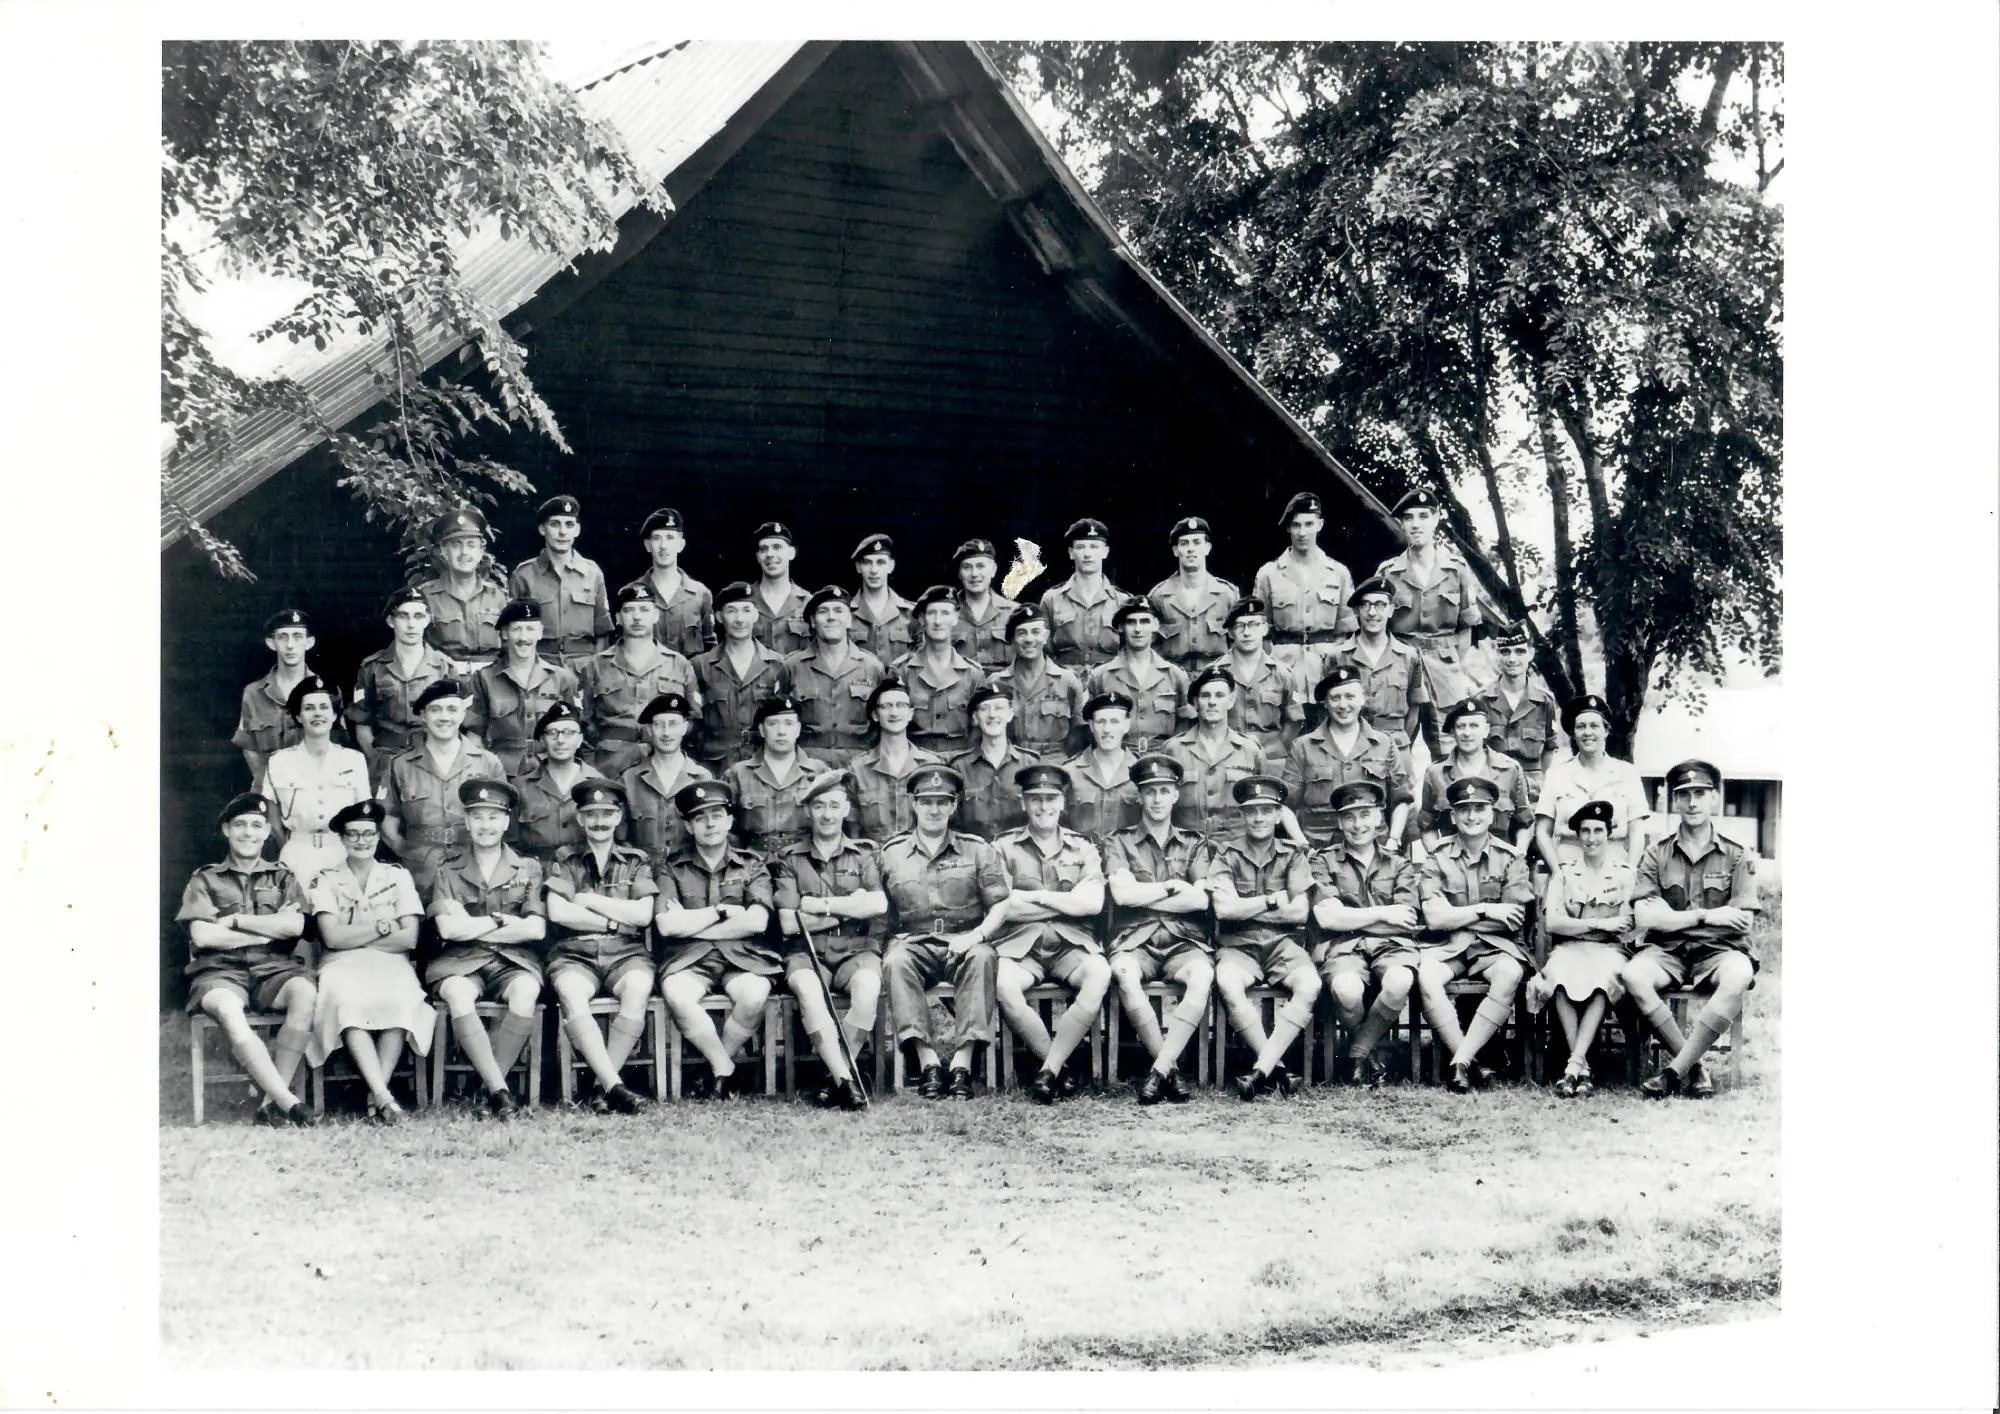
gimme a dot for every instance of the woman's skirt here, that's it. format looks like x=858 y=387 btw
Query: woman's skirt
x=371 y=989
x=1578 y=969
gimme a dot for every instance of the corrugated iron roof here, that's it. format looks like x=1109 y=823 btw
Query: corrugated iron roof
x=666 y=100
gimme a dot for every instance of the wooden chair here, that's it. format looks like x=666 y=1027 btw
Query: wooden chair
x=1159 y=996
x=339 y=1068
x=1267 y=1000
x=1050 y=1002
x=203 y=1073
x=652 y=1056
x=530 y=1058
x=796 y=1044
x=942 y=992
x=715 y=1004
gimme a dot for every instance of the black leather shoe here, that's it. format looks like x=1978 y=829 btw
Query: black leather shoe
x=301 y=1115
x=1565 y=1088
x=1701 y=1085
x=1460 y=1082
x=961 y=1083
x=1282 y=1083
x=1249 y=1087
x=270 y=1116
x=1075 y=1076
x=595 y=1102
x=1658 y=1086
x=1152 y=1088
x=623 y=1100
x=501 y=1102
x=847 y=1097
x=930 y=1084
x=728 y=1087
x=1482 y=1078
x=1042 y=1089
x=1177 y=1091
x=822 y=1098
x=1369 y=1071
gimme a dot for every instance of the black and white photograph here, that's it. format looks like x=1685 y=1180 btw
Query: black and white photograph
x=1106 y=706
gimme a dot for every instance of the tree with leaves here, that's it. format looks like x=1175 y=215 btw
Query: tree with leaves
x=359 y=169
x=1422 y=248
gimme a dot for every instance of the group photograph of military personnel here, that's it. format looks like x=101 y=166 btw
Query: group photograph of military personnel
x=886 y=809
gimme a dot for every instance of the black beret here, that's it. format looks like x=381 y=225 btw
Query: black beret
x=1692 y=773
x=557 y=712
x=1336 y=675
x=1131 y=609
x=831 y=780
x=286 y=618
x=1355 y=794
x=1512 y=636
x=1417 y=496
x=1470 y=788
x=831 y=594
x=774 y=530
x=1086 y=529
x=1374 y=584
x=307 y=685
x=1027 y=614
x=974 y=547
x=442 y=688
x=774 y=705
x=1599 y=810
x=1189 y=525
x=1470 y=707
x=1157 y=766
x=735 y=592
x=886 y=685
x=1252 y=790
x=637 y=592
x=984 y=693
x=1042 y=777
x=1577 y=706
x=519 y=611
x=935 y=780
x=248 y=803
x=1106 y=699
x=1248 y=605
x=408 y=594
x=697 y=796
x=665 y=702
x=1214 y=672
x=488 y=792
x=466 y=520
x=936 y=594
x=874 y=545
x=597 y=790
x=558 y=506
x=369 y=810
x=665 y=518
x=1305 y=503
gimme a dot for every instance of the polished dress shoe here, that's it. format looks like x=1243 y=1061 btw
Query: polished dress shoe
x=501 y=1102
x=961 y=1083
x=1152 y=1088
x=1662 y=1084
x=301 y=1116
x=1460 y=1081
x=1281 y=1082
x=846 y=1096
x=930 y=1083
x=1701 y=1085
x=623 y=1100
x=1249 y=1087
x=1042 y=1089
x=1177 y=1091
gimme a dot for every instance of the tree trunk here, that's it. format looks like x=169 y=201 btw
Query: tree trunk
x=1626 y=670
x=1482 y=437
x=1568 y=638
x=1577 y=425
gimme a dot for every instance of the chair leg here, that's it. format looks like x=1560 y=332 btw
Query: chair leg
x=785 y=1010
x=1111 y=1031
x=534 y=1096
x=673 y=1049
x=1415 y=1027
x=565 y=1065
x=772 y=1008
x=440 y=1034
x=197 y=1066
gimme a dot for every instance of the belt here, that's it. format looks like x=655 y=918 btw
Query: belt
x=1305 y=635
x=1432 y=635
x=618 y=733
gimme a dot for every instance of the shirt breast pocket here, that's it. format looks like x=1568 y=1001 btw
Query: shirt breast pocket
x=1062 y=613
x=859 y=691
x=1284 y=596
x=538 y=814
x=955 y=889
x=266 y=896
x=1490 y=889
x=1715 y=881
x=795 y=626
x=583 y=593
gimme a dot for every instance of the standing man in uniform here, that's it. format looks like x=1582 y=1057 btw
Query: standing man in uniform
x=833 y=681
x=1437 y=604
x=1307 y=591
x=653 y=823
x=576 y=605
x=1081 y=634
x=1365 y=902
x=883 y=807
x=734 y=676
x=1158 y=690
x=1155 y=871
x=1393 y=688
x=383 y=710
x=1340 y=749
x=715 y=917
x=491 y=919
x=941 y=680
x=1102 y=795
x=1475 y=891
x=989 y=770
x=1057 y=891
x=468 y=592
x=781 y=604
x=983 y=616
x=1261 y=886
x=262 y=723
x=624 y=678
x=1192 y=604
x=546 y=818
x=510 y=697
x=832 y=884
x=600 y=899
x=769 y=789
x=244 y=919
x=1213 y=757
x=687 y=611
x=1523 y=718
x=1048 y=698
x=1695 y=903
x=884 y=622
x=423 y=819
x=941 y=884
x=1270 y=702
x=1465 y=728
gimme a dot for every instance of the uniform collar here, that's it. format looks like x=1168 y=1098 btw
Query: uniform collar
x=898 y=606
x=228 y=866
x=1107 y=589
x=690 y=854
x=1083 y=762
x=1368 y=737
x=959 y=662
x=649 y=773
x=1715 y=843
x=577 y=565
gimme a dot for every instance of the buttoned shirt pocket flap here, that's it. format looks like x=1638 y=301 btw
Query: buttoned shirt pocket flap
x=1716 y=878
x=581 y=589
x=1062 y=611
x=1053 y=706
x=859 y=689
x=955 y=887
x=795 y=625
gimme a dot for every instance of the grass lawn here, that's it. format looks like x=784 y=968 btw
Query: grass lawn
x=1380 y=1228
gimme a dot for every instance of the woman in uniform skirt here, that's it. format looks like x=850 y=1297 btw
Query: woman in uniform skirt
x=368 y=912
x=1589 y=913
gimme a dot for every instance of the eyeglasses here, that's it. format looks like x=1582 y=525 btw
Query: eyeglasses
x=562 y=734
x=359 y=835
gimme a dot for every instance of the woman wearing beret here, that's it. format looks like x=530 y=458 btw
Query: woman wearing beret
x=310 y=781
x=368 y=911
x=1588 y=775
x=1589 y=912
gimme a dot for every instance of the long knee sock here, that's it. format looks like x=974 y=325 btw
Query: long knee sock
x=1243 y=1015
x=286 y=1049
x=256 y=1062
x=470 y=1033
x=1026 y=1023
x=1660 y=1017
x=736 y=1033
x=1139 y=1011
x=1284 y=1031
x=589 y=1043
x=1708 y=1028
x=1069 y=1033
x=1376 y=1024
x=1443 y=1019
x=623 y=1039
x=1489 y=1018
x=826 y=1045
x=509 y=1038
x=1179 y=1032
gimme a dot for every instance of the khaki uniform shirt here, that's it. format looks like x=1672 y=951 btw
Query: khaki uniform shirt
x=784 y=630
x=1497 y=874
x=515 y=890
x=882 y=807
x=1184 y=855
x=504 y=709
x=943 y=893
x=1270 y=706
x=383 y=696
x=1048 y=712
x=1429 y=617
x=218 y=891
x=1512 y=813
x=1206 y=804
x=801 y=871
x=992 y=802
x=1080 y=632
x=1526 y=731
x=615 y=692
x=262 y=723
x=1314 y=767
x=729 y=703
x=940 y=701
x=1159 y=709
x=984 y=640
x=686 y=622
x=770 y=816
x=652 y=823
x=424 y=802
x=739 y=878
x=1101 y=802
x=465 y=630
x=890 y=636
x=1287 y=867
x=1307 y=603
x=546 y=820
x=1192 y=634
x=1724 y=875
x=1392 y=687
x=389 y=896
x=627 y=875
x=833 y=706
x=576 y=606
x=1386 y=880
x=1074 y=862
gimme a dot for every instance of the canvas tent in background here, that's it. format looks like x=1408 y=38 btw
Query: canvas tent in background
x=882 y=303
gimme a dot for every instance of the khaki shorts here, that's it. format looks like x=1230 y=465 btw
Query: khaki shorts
x=1693 y=966
x=837 y=978
x=492 y=977
x=258 y=986
x=1064 y=963
x=1173 y=966
x=1267 y=963
x=607 y=973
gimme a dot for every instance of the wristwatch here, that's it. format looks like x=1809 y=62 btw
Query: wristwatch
x=383 y=927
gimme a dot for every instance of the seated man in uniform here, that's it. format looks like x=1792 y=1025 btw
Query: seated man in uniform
x=1365 y=902
x=1260 y=884
x=618 y=682
x=1340 y=749
x=1155 y=871
x=769 y=789
x=715 y=917
x=244 y=918
x=491 y=918
x=1157 y=689
x=652 y=823
x=1057 y=891
x=1695 y=901
x=1475 y=891
x=600 y=899
x=833 y=681
x=990 y=771
x=1048 y=698
x=510 y=696
x=424 y=821
x=940 y=883
x=832 y=885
